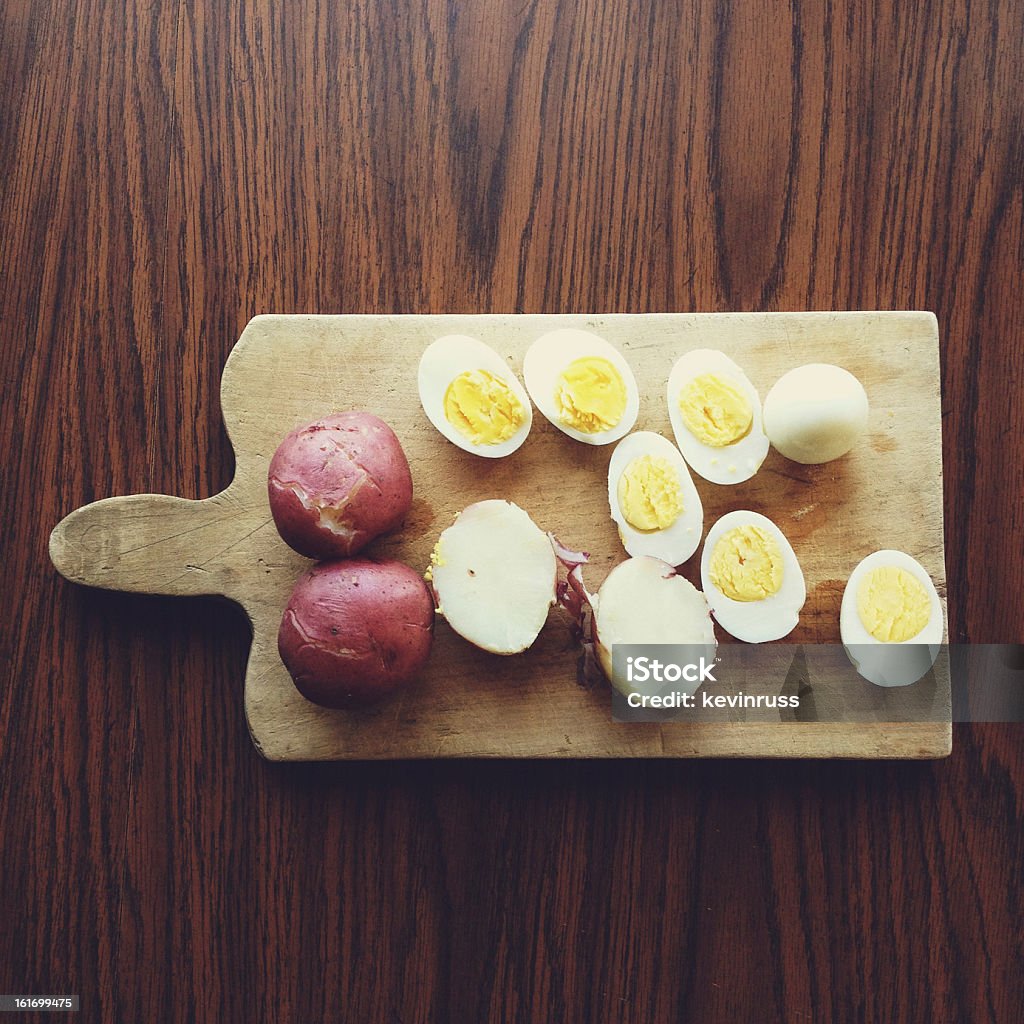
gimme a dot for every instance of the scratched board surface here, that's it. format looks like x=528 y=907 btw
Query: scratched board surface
x=286 y=370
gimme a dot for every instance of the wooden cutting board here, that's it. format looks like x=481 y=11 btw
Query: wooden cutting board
x=286 y=370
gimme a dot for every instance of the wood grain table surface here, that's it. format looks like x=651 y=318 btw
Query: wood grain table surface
x=170 y=169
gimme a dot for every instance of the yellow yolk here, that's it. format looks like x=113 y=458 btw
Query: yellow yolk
x=893 y=604
x=746 y=564
x=590 y=395
x=715 y=410
x=649 y=495
x=482 y=407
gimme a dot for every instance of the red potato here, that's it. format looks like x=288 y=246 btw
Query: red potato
x=336 y=484
x=355 y=631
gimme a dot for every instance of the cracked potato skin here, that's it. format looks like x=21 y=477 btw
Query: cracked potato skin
x=355 y=631
x=337 y=483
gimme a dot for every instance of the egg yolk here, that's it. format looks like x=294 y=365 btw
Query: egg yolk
x=482 y=407
x=746 y=564
x=715 y=410
x=893 y=604
x=590 y=395
x=649 y=494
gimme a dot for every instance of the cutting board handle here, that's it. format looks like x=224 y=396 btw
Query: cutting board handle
x=152 y=543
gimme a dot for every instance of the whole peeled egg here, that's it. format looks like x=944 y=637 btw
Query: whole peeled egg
x=751 y=577
x=471 y=395
x=716 y=417
x=815 y=413
x=583 y=385
x=653 y=500
x=891 y=619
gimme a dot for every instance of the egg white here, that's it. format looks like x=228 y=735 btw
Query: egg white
x=676 y=543
x=551 y=354
x=890 y=664
x=447 y=358
x=755 y=621
x=731 y=464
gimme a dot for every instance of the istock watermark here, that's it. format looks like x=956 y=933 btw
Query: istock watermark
x=825 y=683
x=645 y=670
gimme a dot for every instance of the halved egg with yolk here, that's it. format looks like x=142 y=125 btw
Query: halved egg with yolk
x=751 y=578
x=891 y=619
x=583 y=385
x=471 y=395
x=653 y=500
x=716 y=417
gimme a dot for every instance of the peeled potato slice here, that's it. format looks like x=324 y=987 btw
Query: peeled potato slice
x=644 y=601
x=493 y=572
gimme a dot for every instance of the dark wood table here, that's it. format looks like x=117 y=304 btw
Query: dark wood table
x=167 y=171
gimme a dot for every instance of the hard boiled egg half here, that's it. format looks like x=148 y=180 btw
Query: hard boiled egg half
x=891 y=619
x=473 y=398
x=583 y=385
x=652 y=498
x=716 y=417
x=751 y=578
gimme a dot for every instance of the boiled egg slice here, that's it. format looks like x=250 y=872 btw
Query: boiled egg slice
x=751 y=577
x=891 y=619
x=583 y=385
x=716 y=417
x=473 y=398
x=652 y=498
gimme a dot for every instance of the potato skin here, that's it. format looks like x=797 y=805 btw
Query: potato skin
x=355 y=631
x=351 y=470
